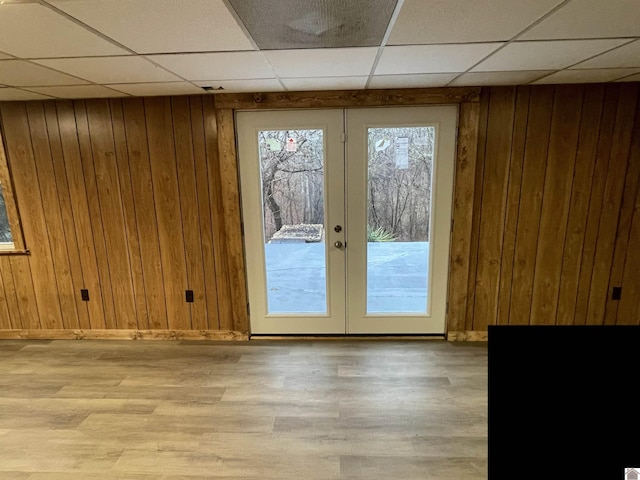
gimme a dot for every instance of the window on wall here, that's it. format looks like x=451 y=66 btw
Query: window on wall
x=11 y=240
x=6 y=239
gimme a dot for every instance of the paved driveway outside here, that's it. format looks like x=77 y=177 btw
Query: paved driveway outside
x=396 y=278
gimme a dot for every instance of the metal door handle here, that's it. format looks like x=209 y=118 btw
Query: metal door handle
x=337 y=244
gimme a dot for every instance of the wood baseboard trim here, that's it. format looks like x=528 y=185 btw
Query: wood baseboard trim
x=125 y=335
x=468 y=336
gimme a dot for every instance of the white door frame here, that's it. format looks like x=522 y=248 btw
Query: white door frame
x=348 y=316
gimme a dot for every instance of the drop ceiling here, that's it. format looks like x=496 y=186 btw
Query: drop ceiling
x=120 y=48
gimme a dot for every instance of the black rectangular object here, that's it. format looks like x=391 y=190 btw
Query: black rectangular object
x=561 y=396
x=616 y=293
x=189 y=295
x=84 y=294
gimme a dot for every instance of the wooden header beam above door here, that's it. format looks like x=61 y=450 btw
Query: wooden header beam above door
x=347 y=98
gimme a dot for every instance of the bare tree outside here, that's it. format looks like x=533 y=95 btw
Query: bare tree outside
x=5 y=230
x=400 y=170
x=400 y=174
x=292 y=178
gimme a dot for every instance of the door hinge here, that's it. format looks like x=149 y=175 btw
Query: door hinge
x=452 y=220
x=242 y=229
x=447 y=309
x=248 y=309
x=343 y=137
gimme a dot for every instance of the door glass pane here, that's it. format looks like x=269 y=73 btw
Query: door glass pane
x=399 y=218
x=292 y=175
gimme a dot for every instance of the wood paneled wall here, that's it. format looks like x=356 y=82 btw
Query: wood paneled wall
x=126 y=199
x=137 y=201
x=556 y=215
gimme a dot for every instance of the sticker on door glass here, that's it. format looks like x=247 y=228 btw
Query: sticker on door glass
x=292 y=145
x=274 y=144
x=402 y=152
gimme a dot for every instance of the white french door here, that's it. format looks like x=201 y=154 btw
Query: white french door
x=347 y=218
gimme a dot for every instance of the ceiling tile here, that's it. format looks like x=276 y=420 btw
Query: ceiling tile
x=78 y=91
x=325 y=83
x=625 y=56
x=631 y=78
x=590 y=19
x=159 y=26
x=20 y=73
x=551 y=55
x=292 y=24
x=29 y=30
x=156 y=89
x=17 y=94
x=412 y=81
x=588 y=76
x=478 y=79
x=432 y=58
x=328 y=62
x=219 y=66
x=230 y=86
x=458 y=21
x=130 y=69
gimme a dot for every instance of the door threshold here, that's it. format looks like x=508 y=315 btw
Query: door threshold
x=343 y=336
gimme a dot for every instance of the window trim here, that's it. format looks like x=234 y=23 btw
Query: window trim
x=18 y=246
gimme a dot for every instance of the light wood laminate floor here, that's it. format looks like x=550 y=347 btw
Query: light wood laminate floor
x=266 y=409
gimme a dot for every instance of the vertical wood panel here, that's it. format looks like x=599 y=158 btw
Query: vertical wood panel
x=25 y=177
x=556 y=197
x=628 y=312
x=225 y=312
x=230 y=190
x=167 y=200
x=5 y=316
x=611 y=203
x=622 y=240
x=8 y=291
x=190 y=213
x=605 y=138
x=52 y=217
x=513 y=203
x=93 y=201
x=463 y=214
x=533 y=173
x=110 y=199
x=494 y=187
x=578 y=209
x=68 y=224
x=205 y=212
x=26 y=293
x=80 y=212
x=146 y=218
x=141 y=319
x=477 y=202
